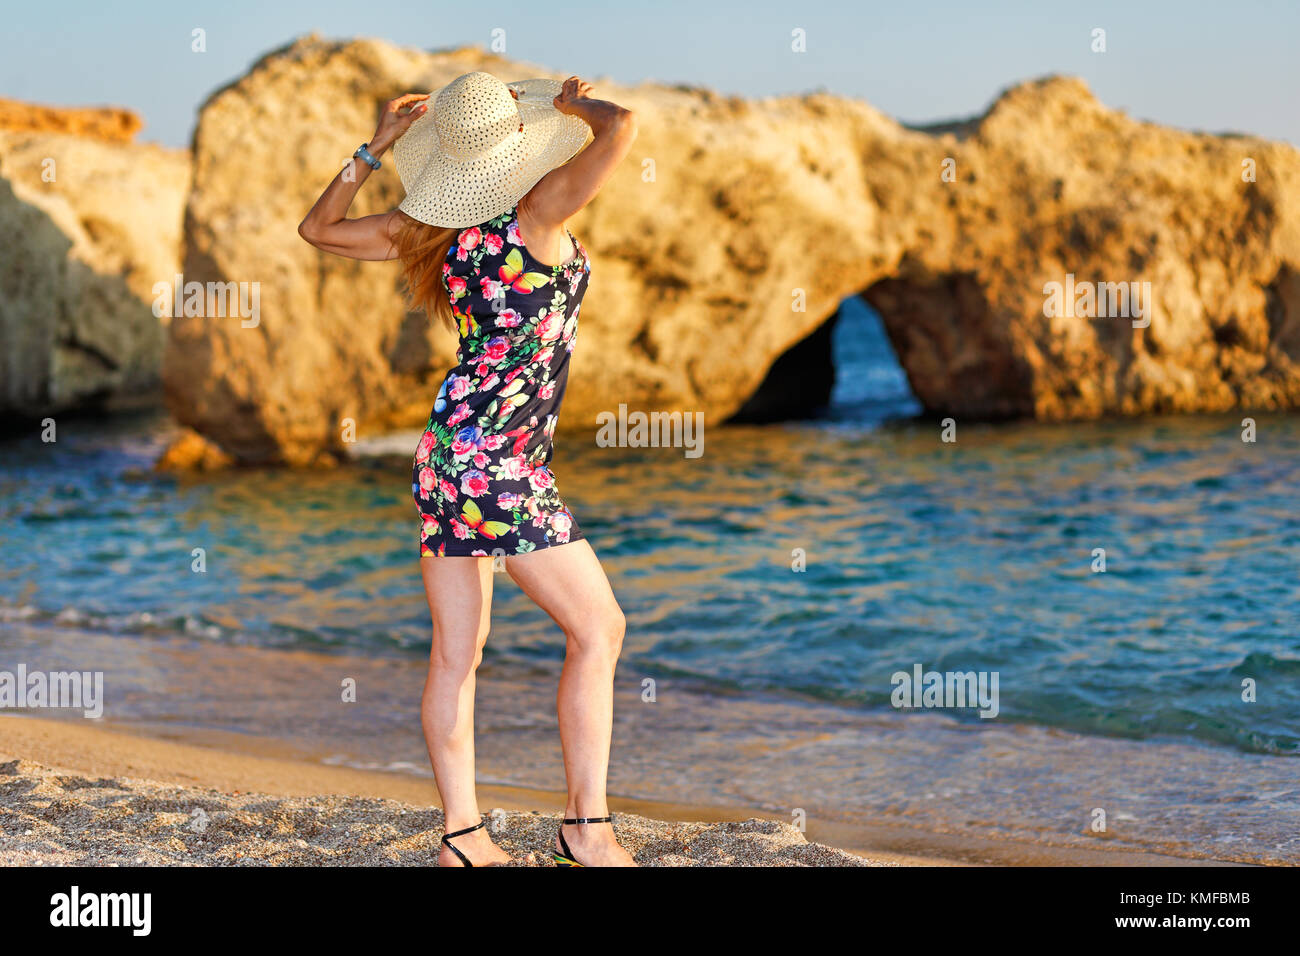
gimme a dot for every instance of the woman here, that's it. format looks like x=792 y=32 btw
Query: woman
x=491 y=180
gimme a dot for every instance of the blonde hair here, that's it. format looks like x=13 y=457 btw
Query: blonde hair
x=422 y=250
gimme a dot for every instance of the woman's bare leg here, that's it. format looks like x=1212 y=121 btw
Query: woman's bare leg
x=568 y=583
x=459 y=591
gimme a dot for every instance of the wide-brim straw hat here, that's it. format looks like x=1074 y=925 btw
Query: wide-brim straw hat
x=467 y=160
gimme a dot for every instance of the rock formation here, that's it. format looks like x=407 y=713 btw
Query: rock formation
x=91 y=224
x=107 y=124
x=731 y=234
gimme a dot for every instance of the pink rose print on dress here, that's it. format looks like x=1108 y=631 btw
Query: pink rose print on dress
x=474 y=483
x=496 y=349
x=427 y=441
x=460 y=387
x=549 y=328
x=467 y=242
x=467 y=441
x=463 y=411
x=540 y=478
x=513 y=469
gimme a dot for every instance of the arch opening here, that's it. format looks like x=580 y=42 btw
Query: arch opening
x=846 y=370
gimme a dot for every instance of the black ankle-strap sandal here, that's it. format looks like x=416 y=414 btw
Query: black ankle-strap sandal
x=566 y=858
x=447 y=838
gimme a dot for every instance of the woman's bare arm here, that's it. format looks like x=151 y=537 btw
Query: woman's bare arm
x=563 y=191
x=370 y=237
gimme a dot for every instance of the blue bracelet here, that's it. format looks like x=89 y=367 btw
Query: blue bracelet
x=366 y=157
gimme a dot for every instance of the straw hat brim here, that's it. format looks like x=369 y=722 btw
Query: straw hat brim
x=441 y=191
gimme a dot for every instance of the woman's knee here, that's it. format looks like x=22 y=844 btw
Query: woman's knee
x=457 y=652
x=600 y=634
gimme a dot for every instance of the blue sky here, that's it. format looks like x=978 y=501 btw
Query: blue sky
x=1196 y=65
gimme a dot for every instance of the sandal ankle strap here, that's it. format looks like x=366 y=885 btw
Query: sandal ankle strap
x=447 y=837
x=575 y=820
x=478 y=826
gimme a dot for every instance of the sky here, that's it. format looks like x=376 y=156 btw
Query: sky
x=1216 y=67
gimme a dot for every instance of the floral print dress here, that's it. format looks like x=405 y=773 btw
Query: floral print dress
x=481 y=478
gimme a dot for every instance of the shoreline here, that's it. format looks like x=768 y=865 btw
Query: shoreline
x=208 y=766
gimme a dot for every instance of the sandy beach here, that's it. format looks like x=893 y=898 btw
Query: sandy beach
x=73 y=793
x=78 y=795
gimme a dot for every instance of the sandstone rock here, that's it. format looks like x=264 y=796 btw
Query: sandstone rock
x=92 y=227
x=190 y=451
x=106 y=123
x=1051 y=184
x=732 y=233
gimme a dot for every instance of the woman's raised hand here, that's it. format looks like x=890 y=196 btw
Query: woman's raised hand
x=398 y=115
x=573 y=90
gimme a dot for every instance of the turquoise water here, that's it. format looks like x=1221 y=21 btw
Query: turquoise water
x=975 y=555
